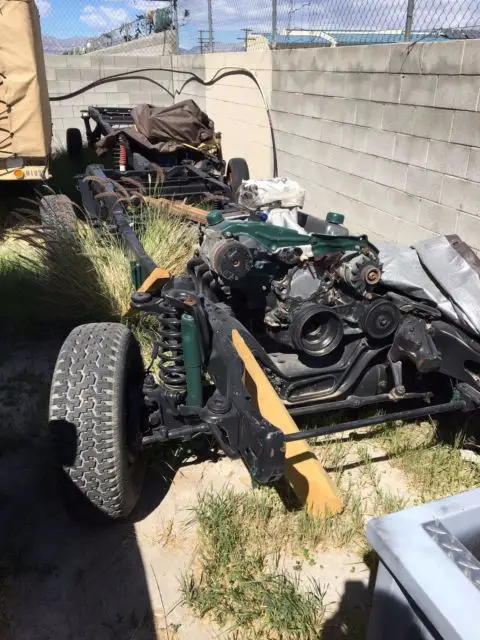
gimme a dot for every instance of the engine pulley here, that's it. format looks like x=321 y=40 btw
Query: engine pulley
x=316 y=330
x=380 y=319
x=231 y=259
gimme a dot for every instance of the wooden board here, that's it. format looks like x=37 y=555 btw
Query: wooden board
x=178 y=208
x=306 y=476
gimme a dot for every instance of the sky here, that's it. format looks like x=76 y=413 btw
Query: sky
x=72 y=18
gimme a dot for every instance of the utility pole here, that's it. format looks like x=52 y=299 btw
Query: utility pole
x=245 y=37
x=409 y=22
x=210 y=26
x=202 y=40
x=274 y=24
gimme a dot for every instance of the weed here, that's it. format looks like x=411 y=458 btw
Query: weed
x=235 y=582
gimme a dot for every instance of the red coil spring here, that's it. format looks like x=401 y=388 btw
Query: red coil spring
x=123 y=157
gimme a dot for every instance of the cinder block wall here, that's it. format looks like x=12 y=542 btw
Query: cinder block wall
x=388 y=134
x=66 y=74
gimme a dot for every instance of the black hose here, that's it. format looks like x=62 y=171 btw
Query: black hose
x=219 y=75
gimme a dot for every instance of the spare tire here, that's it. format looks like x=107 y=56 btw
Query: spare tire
x=74 y=143
x=237 y=171
x=57 y=210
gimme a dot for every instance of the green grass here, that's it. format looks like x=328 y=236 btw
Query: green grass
x=237 y=582
x=434 y=468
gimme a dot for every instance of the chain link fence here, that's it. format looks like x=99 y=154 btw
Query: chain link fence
x=192 y=26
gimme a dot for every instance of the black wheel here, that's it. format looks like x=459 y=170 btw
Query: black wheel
x=237 y=170
x=57 y=210
x=74 y=143
x=96 y=410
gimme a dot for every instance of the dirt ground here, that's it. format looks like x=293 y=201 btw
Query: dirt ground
x=61 y=580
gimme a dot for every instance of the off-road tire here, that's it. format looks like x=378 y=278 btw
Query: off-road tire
x=95 y=416
x=237 y=170
x=74 y=143
x=57 y=210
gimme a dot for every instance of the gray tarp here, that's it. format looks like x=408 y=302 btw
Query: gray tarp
x=443 y=270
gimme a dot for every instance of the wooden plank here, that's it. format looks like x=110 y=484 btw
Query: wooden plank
x=178 y=208
x=306 y=476
x=155 y=280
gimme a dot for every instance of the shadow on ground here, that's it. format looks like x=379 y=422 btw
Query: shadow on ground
x=59 y=579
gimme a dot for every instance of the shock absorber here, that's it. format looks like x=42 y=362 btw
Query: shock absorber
x=171 y=366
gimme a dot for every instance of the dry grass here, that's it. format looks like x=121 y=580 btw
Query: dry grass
x=62 y=276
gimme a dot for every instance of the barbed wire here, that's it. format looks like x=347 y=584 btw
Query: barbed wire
x=189 y=26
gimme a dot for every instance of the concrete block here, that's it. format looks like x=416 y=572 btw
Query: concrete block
x=342 y=158
x=99 y=99
x=442 y=57
x=398 y=118
x=321 y=59
x=468 y=228
x=127 y=86
x=51 y=74
x=374 y=194
x=410 y=149
x=473 y=170
x=471 y=57
x=379 y=143
x=339 y=110
x=59 y=87
x=61 y=111
x=451 y=159
x=118 y=100
x=331 y=132
x=79 y=62
x=334 y=83
x=405 y=59
x=437 y=218
x=390 y=173
x=432 y=123
x=418 y=90
x=349 y=59
x=353 y=137
x=383 y=222
x=90 y=74
x=160 y=99
x=376 y=58
x=110 y=87
x=298 y=82
x=466 y=128
x=402 y=205
x=68 y=74
x=78 y=85
x=56 y=62
x=424 y=183
x=385 y=87
x=363 y=165
x=457 y=92
x=141 y=97
x=358 y=85
x=369 y=114
x=461 y=194
x=408 y=233
x=129 y=61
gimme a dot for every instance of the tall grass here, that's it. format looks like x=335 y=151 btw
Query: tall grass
x=59 y=276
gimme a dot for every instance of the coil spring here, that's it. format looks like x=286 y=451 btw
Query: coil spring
x=171 y=368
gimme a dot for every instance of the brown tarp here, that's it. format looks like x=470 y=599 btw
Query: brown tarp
x=166 y=129
x=25 y=118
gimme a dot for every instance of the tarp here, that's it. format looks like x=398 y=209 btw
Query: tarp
x=442 y=270
x=25 y=118
x=166 y=129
